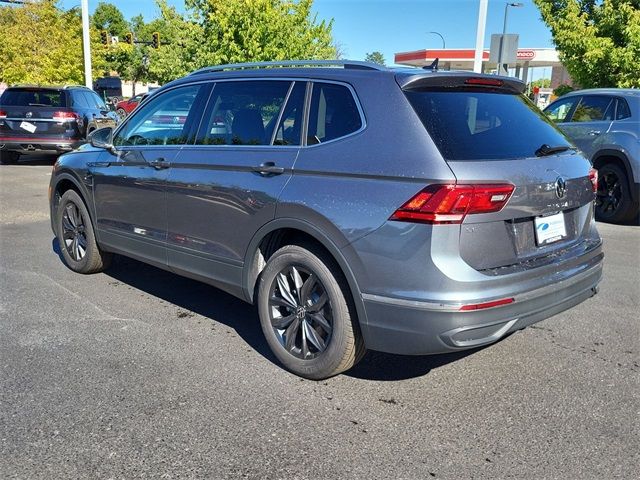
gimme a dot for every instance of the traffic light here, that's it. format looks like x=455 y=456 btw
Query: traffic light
x=155 y=43
x=128 y=38
x=104 y=37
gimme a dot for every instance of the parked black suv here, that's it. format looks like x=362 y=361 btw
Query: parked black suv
x=53 y=120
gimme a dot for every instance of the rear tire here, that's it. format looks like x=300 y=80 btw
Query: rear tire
x=9 y=158
x=613 y=200
x=307 y=314
x=76 y=236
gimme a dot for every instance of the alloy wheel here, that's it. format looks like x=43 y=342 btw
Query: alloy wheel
x=73 y=232
x=609 y=194
x=300 y=312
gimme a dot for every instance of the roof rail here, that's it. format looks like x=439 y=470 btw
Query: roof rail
x=353 y=64
x=76 y=86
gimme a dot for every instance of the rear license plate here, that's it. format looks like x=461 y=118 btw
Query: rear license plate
x=29 y=127
x=550 y=228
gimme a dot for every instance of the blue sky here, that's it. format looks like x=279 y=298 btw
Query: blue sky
x=390 y=26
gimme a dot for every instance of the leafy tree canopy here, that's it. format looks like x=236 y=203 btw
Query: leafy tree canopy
x=108 y=17
x=598 y=41
x=42 y=44
x=375 y=57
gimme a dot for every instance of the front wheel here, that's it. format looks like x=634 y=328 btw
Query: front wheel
x=307 y=314
x=613 y=199
x=76 y=236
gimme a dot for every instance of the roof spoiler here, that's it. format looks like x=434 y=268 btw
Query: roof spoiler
x=426 y=80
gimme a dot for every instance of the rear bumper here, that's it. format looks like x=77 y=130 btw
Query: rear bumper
x=30 y=145
x=417 y=327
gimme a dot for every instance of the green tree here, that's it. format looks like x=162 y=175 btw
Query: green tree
x=541 y=82
x=42 y=44
x=108 y=17
x=375 y=57
x=598 y=41
x=238 y=31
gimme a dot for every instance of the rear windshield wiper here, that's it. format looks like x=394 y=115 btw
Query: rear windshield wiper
x=545 y=149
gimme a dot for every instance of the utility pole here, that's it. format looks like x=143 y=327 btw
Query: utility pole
x=504 y=32
x=482 y=23
x=86 y=45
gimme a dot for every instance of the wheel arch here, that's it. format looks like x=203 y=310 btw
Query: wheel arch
x=285 y=231
x=617 y=157
x=65 y=181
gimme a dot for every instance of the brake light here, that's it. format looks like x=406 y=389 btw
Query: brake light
x=593 y=176
x=3 y=114
x=451 y=203
x=491 y=82
x=65 y=116
x=481 y=306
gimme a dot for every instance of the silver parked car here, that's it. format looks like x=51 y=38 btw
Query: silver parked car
x=406 y=211
x=604 y=124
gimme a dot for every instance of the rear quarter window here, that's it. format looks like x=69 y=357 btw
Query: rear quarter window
x=481 y=125
x=334 y=113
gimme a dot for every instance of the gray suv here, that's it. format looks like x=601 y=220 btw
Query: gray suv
x=605 y=124
x=406 y=211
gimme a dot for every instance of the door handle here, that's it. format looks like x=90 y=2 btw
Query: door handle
x=268 y=169
x=159 y=164
x=593 y=133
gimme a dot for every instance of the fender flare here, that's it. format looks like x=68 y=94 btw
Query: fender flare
x=292 y=223
x=81 y=187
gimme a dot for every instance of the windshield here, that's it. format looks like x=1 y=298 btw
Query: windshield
x=480 y=125
x=29 y=97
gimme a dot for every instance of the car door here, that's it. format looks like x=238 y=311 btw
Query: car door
x=590 y=120
x=225 y=187
x=100 y=115
x=129 y=184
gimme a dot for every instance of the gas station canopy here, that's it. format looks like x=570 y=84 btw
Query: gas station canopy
x=462 y=59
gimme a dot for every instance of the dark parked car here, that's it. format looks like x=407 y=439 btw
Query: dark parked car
x=407 y=211
x=605 y=124
x=48 y=119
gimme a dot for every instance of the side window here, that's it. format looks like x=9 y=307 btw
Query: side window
x=290 y=127
x=594 y=108
x=243 y=112
x=623 y=110
x=163 y=120
x=559 y=111
x=95 y=101
x=78 y=99
x=334 y=113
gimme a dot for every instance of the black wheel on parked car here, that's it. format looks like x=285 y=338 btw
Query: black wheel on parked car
x=122 y=114
x=9 y=158
x=613 y=198
x=76 y=236
x=307 y=314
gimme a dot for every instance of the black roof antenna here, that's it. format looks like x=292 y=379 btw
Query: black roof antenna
x=433 y=66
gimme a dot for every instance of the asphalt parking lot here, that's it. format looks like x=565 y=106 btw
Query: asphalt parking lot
x=138 y=373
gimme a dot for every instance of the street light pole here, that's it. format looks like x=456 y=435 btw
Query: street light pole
x=86 y=45
x=482 y=22
x=504 y=32
x=441 y=37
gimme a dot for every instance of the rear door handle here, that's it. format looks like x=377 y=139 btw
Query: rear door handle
x=268 y=169
x=159 y=163
x=593 y=133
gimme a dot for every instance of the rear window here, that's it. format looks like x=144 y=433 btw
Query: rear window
x=29 y=97
x=473 y=125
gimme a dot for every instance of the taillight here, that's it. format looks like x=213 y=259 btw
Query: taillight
x=3 y=114
x=593 y=176
x=65 y=116
x=451 y=203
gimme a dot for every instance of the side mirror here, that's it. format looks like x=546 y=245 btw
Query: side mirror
x=102 y=138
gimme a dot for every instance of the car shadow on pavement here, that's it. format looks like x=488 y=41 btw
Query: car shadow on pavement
x=220 y=307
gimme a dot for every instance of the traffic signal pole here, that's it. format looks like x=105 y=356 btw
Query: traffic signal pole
x=86 y=44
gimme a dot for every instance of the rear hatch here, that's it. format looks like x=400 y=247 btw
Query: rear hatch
x=34 y=112
x=490 y=134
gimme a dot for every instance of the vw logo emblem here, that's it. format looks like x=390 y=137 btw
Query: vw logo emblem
x=561 y=187
x=28 y=114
